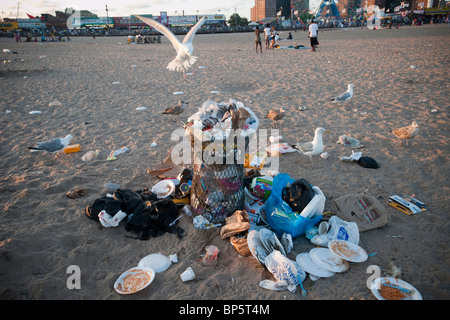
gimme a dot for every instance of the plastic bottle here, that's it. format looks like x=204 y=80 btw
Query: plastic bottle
x=72 y=148
x=187 y=210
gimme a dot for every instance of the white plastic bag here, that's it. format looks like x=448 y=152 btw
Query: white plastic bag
x=284 y=269
x=340 y=229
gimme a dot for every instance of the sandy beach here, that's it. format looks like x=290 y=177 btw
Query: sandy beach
x=399 y=76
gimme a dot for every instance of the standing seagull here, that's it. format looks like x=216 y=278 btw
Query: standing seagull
x=177 y=109
x=52 y=145
x=275 y=115
x=313 y=148
x=184 y=58
x=346 y=96
x=407 y=133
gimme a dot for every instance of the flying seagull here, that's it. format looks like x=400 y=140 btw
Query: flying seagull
x=407 y=133
x=275 y=115
x=184 y=58
x=52 y=145
x=346 y=96
x=313 y=148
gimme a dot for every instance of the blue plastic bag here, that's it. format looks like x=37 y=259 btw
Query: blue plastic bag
x=279 y=214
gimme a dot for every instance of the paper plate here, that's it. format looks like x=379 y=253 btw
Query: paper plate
x=376 y=284
x=325 y=259
x=134 y=280
x=305 y=262
x=156 y=261
x=164 y=188
x=347 y=250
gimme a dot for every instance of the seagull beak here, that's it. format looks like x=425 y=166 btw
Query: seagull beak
x=327 y=131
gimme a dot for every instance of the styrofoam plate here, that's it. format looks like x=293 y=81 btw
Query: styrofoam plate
x=375 y=285
x=157 y=261
x=348 y=250
x=325 y=259
x=134 y=280
x=305 y=262
x=164 y=188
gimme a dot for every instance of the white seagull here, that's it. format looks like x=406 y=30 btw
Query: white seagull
x=312 y=148
x=52 y=145
x=346 y=96
x=184 y=58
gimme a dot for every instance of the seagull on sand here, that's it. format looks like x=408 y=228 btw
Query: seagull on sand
x=177 y=109
x=275 y=115
x=346 y=96
x=184 y=58
x=406 y=133
x=312 y=148
x=52 y=145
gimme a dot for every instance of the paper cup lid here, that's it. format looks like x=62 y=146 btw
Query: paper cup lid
x=305 y=262
x=164 y=188
x=378 y=282
x=347 y=250
x=134 y=280
x=325 y=259
x=158 y=262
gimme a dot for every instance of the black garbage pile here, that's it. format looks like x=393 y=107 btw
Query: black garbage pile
x=146 y=216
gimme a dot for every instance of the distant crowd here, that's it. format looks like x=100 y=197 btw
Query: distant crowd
x=55 y=35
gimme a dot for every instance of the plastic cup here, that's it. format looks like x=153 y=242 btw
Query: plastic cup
x=323 y=227
x=173 y=258
x=210 y=257
x=188 y=275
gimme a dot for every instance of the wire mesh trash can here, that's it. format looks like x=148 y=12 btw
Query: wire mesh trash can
x=218 y=171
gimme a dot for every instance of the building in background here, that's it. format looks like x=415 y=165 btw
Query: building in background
x=263 y=9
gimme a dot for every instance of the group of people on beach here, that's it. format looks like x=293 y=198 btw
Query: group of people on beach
x=271 y=36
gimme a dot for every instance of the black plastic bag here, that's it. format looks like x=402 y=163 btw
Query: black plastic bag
x=298 y=194
x=152 y=219
x=368 y=162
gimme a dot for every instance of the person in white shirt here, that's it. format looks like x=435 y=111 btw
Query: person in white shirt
x=267 y=35
x=313 y=31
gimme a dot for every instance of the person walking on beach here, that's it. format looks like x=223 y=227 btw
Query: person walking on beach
x=313 y=31
x=267 y=35
x=258 y=39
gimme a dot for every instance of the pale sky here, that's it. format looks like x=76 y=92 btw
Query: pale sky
x=8 y=8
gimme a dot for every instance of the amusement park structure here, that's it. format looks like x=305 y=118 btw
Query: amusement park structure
x=332 y=9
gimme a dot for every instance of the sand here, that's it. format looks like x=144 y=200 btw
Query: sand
x=43 y=232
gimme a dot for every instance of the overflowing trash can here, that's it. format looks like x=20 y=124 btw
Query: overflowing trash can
x=219 y=134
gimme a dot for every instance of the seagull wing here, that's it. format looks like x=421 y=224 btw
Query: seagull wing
x=305 y=147
x=190 y=35
x=343 y=97
x=161 y=28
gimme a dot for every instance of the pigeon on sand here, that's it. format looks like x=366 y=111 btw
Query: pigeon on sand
x=184 y=58
x=275 y=115
x=406 y=133
x=52 y=145
x=312 y=148
x=346 y=96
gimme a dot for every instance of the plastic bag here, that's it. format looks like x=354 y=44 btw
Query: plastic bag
x=284 y=269
x=298 y=194
x=280 y=215
x=340 y=230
